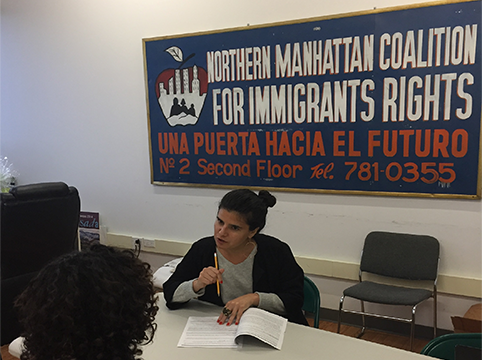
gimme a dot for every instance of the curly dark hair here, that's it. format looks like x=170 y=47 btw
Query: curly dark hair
x=98 y=303
x=253 y=207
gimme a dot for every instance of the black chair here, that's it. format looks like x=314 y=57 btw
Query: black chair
x=10 y=289
x=396 y=256
x=39 y=222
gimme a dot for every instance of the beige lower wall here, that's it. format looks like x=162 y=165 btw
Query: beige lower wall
x=447 y=284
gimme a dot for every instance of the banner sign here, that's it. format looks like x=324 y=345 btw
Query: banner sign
x=385 y=102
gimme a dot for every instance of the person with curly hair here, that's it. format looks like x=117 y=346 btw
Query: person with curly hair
x=249 y=270
x=99 y=303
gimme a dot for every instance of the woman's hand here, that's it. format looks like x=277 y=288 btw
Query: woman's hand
x=208 y=275
x=237 y=307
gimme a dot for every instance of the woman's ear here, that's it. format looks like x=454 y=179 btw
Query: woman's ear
x=253 y=232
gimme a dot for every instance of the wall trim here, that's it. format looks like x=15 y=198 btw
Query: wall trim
x=448 y=284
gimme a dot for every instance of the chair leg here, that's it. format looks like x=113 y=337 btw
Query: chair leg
x=362 y=331
x=412 y=327
x=340 y=310
x=435 y=313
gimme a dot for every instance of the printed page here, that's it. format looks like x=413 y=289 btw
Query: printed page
x=263 y=325
x=203 y=331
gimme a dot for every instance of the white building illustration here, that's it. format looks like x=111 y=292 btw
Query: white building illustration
x=182 y=102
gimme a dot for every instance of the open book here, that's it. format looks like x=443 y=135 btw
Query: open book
x=204 y=331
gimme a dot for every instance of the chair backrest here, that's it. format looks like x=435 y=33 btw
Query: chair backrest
x=39 y=222
x=311 y=302
x=444 y=347
x=403 y=256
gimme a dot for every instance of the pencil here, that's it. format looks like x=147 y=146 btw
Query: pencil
x=217 y=267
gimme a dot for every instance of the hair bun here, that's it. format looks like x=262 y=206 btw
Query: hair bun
x=267 y=198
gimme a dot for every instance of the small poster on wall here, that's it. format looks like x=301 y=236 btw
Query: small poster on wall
x=89 y=229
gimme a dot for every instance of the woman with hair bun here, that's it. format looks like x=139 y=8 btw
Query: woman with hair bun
x=250 y=269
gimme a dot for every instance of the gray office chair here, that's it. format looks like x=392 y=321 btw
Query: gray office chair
x=311 y=303
x=396 y=256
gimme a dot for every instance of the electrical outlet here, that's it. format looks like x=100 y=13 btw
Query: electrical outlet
x=148 y=243
x=136 y=243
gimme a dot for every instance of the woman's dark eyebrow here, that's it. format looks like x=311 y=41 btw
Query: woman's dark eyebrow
x=234 y=225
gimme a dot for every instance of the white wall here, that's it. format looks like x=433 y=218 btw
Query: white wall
x=73 y=109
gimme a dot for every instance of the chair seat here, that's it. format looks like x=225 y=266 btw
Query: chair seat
x=387 y=294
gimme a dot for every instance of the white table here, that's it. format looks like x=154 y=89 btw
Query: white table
x=300 y=342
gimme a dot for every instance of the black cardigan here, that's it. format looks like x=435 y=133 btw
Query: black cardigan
x=274 y=271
